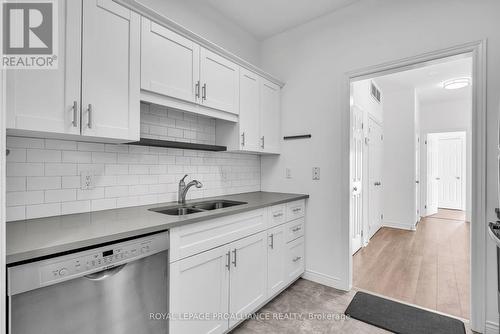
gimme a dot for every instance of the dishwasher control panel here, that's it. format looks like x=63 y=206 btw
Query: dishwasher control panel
x=42 y=273
x=101 y=260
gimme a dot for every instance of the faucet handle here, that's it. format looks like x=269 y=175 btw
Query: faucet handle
x=182 y=180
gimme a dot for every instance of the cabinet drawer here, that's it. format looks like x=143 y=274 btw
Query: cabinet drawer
x=294 y=229
x=276 y=215
x=295 y=210
x=195 y=238
x=294 y=259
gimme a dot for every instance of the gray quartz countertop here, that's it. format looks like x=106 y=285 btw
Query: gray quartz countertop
x=38 y=238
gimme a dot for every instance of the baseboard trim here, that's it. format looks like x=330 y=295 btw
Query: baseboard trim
x=400 y=226
x=324 y=279
x=491 y=328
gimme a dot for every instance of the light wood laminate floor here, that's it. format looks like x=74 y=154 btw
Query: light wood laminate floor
x=429 y=267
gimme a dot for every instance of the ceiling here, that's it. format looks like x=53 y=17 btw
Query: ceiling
x=265 y=18
x=428 y=81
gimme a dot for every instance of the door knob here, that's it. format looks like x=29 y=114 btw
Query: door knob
x=355 y=189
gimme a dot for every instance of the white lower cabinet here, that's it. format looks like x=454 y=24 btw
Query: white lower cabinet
x=276 y=252
x=200 y=284
x=248 y=279
x=231 y=279
x=294 y=259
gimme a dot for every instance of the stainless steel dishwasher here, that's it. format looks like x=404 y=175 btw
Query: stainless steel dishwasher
x=121 y=288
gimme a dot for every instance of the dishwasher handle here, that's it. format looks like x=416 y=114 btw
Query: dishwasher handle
x=103 y=274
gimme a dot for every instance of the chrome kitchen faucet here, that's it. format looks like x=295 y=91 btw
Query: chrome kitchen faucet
x=183 y=189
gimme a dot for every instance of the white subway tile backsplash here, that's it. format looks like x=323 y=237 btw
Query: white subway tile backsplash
x=16 y=184
x=43 y=175
x=60 y=195
x=37 y=155
x=43 y=182
x=16 y=213
x=25 y=169
x=60 y=169
x=43 y=210
x=75 y=207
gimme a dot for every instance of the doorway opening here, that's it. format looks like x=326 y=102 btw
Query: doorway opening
x=411 y=172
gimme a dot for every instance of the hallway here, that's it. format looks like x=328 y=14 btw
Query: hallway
x=429 y=267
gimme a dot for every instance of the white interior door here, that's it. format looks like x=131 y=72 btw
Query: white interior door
x=357 y=142
x=375 y=152
x=417 y=178
x=432 y=175
x=110 y=70
x=450 y=169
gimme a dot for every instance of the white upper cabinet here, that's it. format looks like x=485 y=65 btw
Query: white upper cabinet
x=95 y=90
x=110 y=71
x=219 y=79
x=170 y=63
x=249 y=122
x=259 y=127
x=270 y=117
x=49 y=100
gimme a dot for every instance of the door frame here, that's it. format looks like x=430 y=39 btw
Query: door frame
x=477 y=50
x=3 y=276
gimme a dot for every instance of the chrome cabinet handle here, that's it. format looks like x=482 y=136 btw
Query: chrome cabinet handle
x=197 y=90
x=75 y=114
x=243 y=139
x=204 y=92
x=296 y=229
x=438 y=178
x=377 y=184
x=297 y=258
x=102 y=275
x=234 y=260
x=262 y=141
x=299 y=209
x=228 y=260
x=458 y=177
x=89 y=123
x=276 y=215
x=272 y=241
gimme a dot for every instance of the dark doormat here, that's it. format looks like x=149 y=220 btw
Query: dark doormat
x=400 y=318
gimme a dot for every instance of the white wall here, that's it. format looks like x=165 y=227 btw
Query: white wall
x=447 y=116
x=398 y=192
x=313 y=58
x=210 y=24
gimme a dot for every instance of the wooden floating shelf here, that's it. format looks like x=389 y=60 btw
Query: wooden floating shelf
x=179 y=145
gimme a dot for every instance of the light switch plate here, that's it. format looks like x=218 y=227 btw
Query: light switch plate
x=288 y=173
x=316 y=173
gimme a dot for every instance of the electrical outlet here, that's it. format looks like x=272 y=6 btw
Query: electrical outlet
x=224 y=173
x=87 y=180
x=288 y=173
x=316 y=173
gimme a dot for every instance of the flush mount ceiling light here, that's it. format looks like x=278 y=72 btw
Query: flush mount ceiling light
x=456 y=83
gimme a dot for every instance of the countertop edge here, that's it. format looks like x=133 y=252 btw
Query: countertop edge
x=20 y=258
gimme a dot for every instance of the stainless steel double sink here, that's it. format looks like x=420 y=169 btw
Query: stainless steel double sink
x=187 y=209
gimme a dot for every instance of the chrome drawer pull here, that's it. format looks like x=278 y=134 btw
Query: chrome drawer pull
x=272 y=241
x=296 y=229
x=228 y=263
x=297 y=210
x=234 y=261
x=276 y=215
x=297 y=258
